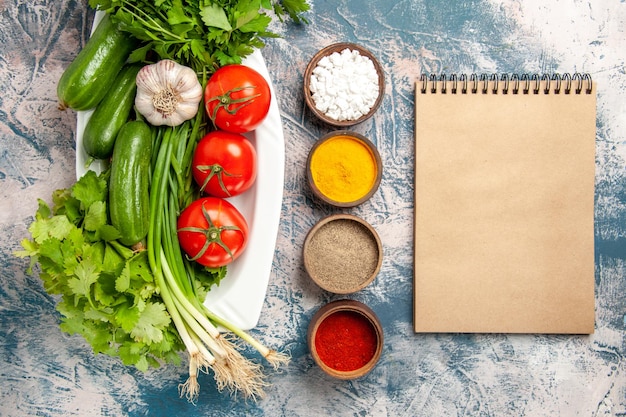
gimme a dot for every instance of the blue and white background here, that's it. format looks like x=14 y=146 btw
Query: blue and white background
x=44 y=372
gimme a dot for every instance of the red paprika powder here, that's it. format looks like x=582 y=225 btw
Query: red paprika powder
x=346 y=341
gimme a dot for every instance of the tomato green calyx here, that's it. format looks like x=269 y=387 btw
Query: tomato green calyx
x=215 y=170
x=232 y=105
x=212 y=234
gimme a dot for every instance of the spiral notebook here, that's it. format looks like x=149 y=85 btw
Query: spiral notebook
x=504 y=204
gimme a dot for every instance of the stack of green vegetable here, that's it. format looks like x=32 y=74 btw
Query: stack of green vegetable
x=109 y=245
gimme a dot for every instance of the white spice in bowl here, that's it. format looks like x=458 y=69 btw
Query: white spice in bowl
x=343 y=84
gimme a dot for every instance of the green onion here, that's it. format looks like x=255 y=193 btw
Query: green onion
x=197 y=326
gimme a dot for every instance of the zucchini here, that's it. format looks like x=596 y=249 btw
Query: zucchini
x=111 y=114
x=90 y=75
x=129 y=204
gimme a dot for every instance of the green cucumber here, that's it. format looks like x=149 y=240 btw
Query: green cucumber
x=129 y=204
x=90 y=75
x=111 y=114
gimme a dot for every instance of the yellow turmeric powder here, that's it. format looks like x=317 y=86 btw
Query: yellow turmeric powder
x=343 y=168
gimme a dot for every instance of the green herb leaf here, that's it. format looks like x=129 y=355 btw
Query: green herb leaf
x=96 y=216
x=86 y=274
x=176 y=14
x=215 y=16
x=108 y=232
x=122 y=283
x=294 y=8
x=152 y=321
x=89 y=189
x=258 y=23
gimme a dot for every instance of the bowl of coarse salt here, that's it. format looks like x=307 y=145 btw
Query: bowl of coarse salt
x=344 y=84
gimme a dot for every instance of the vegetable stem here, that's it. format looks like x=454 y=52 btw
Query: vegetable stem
x=199 y=324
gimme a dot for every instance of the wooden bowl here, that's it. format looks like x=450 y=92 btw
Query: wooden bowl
x=322 y=343
x=329 y=50
x=342 y=253
x=357 y=196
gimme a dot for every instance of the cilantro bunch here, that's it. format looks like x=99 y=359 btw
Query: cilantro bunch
x=107 y=291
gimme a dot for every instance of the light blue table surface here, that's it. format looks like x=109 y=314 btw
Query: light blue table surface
x=44 y=372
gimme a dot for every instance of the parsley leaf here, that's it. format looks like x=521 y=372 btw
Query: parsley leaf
x=214 y=16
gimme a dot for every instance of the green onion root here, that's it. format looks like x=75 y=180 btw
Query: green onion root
x=274 y=358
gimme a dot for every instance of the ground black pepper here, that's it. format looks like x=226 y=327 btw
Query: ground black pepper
x=343 y=254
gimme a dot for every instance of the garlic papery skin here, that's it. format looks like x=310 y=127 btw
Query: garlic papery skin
x=167 y=93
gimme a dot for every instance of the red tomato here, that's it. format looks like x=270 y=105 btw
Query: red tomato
x=224 y=164
x=237 y=98
x=212 y=231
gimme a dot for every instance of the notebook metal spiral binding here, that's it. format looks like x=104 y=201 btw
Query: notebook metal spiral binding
x=506 y=83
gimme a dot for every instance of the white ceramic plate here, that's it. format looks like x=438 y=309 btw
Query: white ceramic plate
x=240 y=296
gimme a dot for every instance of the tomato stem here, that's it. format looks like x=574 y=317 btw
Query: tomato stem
x=215 y=170
x=228 y=103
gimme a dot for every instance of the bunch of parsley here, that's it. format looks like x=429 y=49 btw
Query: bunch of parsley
x=107 y=291
x=202 y=34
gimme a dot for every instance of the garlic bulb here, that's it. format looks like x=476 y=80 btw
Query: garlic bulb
x=167 y=93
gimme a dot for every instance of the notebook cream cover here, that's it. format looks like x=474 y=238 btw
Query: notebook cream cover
x=504 y=206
